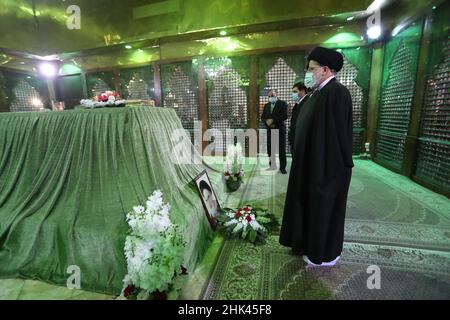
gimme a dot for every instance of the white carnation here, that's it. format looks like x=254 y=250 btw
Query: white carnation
x=139 y=209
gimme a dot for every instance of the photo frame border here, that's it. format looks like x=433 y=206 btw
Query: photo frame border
x=212 y=221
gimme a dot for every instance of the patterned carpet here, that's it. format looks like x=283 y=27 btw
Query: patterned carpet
x=392 y=223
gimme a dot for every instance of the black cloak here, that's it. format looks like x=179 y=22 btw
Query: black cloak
x=314 y=212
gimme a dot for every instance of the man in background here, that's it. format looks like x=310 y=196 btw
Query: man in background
x=299 y=97
x=274 y=115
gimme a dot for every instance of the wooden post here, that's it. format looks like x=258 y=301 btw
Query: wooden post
x=51 y=92
x=411 y=142
x=3 y=106
x=86 y=94
x=202 y=99
x=376 y=77
x=157 y=83
x=116 y=73
x=253 y=112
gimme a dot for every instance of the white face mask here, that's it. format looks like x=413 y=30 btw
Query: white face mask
x=272 y=99
x=309 y=80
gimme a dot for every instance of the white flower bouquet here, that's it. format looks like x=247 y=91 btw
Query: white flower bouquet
x=154 y=250
x=247 y=223
x=104 y=99
x=233 y=172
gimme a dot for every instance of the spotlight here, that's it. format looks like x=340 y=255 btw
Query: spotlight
x=374 y=32
x=223 y=33
x=47 y=69
x=36 y=102
x=128 y=46
x=350 y=18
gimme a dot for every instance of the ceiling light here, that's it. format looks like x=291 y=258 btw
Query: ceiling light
x=47 y=69
x=374 y=32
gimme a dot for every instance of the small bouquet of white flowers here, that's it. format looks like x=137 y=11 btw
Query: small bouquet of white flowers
x=233 y=172
x=248 y=223
x=154 y=250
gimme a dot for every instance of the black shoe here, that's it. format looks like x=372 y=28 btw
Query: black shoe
x=283 y=171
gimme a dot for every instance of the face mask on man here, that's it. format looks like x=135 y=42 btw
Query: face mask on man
x=309 y=80
x=272 y=99
x=295 y=96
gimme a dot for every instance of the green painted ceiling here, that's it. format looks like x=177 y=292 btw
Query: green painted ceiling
x=39 y=26
x=35 y=30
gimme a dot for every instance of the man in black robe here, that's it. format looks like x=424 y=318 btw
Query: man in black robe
x=299 y=96
x=314 y=212
x=274 y=115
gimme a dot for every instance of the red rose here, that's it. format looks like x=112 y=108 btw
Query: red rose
x=248 y=218
x=238 y=213
x=159 y=295
x=103 y=97
x=246 y=209
x=128 y=290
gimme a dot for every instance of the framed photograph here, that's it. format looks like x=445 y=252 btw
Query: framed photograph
x=208 y=197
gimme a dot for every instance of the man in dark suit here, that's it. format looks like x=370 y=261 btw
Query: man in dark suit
x=299 y=96
x=274 y=114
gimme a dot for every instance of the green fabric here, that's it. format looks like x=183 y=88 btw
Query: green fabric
x=68 y=178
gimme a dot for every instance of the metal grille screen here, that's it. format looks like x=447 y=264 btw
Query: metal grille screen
x=137 y=83
x=347 y=77
x=180 y=92
x=396 y=100
x=26 y=98
x=98 y=82
x=433 y=163
x=227 y=100
x=23 y=92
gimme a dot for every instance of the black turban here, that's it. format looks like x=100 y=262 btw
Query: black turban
x=327 y=57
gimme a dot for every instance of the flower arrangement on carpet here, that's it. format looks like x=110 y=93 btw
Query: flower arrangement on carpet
x=248 y=223
x=104 y=99
x=154 y=250
x=233 y=172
